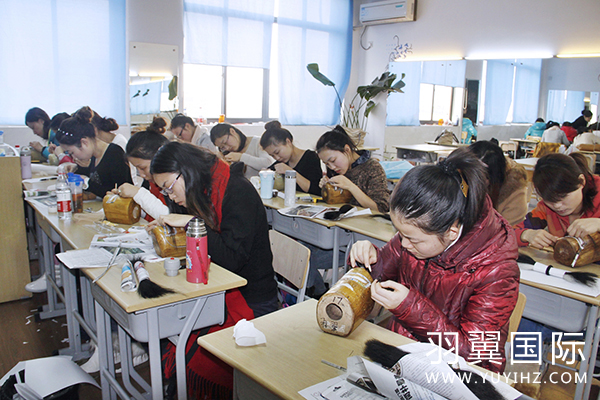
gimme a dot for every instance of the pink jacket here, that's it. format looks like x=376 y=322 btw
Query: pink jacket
x=472 y=286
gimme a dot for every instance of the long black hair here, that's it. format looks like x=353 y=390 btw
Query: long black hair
x=34 y=115
x=79 y=126
x=180 y=120
x=195 y=166
x=221 y=130
x=336 y=139
x=145 y=144
x=434 y=197
x=493 y=157
x=556 y=175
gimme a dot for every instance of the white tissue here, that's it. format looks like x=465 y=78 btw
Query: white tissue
x=245 y=334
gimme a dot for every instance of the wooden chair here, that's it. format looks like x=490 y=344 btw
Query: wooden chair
x=508 y=147
x=291 y=261
x=515 y=317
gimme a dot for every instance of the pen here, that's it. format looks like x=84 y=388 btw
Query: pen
x=333 y=365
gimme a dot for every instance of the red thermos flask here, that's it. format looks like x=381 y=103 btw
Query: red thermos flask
x=196 y=257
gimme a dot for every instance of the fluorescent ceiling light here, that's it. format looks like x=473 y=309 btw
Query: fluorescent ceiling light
x=585 y=55
x=432 y=58
x=508 y=56
x=155 y=75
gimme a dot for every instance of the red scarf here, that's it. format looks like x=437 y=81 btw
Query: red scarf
x=220 y=178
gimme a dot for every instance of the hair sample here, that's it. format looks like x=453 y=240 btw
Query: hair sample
x=275 y=135
x=336 y=139
x=79 y=126
x=145 y=144
x=427 y=198
x=180 y=120
x=34 y=115
x=195 y=166
x=556 y=175
x=222 y=129
x=495 y=162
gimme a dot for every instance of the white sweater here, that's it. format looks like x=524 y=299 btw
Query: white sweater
x=255 y=157
x=150 y=204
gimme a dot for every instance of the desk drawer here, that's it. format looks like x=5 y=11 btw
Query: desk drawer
x=309 y=231
x=171 y=317
x=554 y=310
x=416 y=155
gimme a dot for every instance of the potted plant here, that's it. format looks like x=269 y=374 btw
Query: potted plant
x=356 y=113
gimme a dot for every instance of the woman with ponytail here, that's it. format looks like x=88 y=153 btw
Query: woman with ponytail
x=354 y=170
x=450 y=273
x=235 y=146
x=107 y=164
x=570 y=202
x=140 y=150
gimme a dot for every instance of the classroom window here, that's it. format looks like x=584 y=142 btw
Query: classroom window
x=438 y=102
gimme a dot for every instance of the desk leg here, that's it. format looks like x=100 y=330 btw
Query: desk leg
x=70 y=288
x=87 y=302
x=105 y=355
x=127 y=370
x=53 y=308
x=336 y=255
x=589 y=352
x=154 y=354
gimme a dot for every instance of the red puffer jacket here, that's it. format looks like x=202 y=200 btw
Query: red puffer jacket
x=472 y=286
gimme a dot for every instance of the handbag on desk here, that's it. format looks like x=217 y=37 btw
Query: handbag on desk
x=446 y=137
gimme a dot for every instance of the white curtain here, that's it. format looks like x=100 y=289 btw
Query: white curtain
x=564 y=105
x=527 y=90
x=403 y=108
x=498 y=91
x=61 y=55
x=145 y=98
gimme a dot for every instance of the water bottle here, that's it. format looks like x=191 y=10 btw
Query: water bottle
x=290 y=188
x=63 y=195
x=196 y=253
x=76 y=186
x=26 y=162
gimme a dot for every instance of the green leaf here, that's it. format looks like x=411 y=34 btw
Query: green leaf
x=370 y=106
x=314 y=71
x=399 y=85
x=173 y=88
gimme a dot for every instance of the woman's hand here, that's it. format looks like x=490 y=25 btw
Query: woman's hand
x=584 y=226
x=389 y=294
x=70 y=167
x=174 y=220
x=538 y=238
x=280 y=168
x=126 y=190
x=363 y=252
x=323 y=181
x=233 y=157
x=37 y=146
x=340 y=181
x=89 y=196
x=51 y=148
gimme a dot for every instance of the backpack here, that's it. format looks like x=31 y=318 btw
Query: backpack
x=446 y=137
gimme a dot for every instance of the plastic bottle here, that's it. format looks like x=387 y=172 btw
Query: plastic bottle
x=63 y=196
x=196 y=253
x=76 y=186
x=290 y=188
x=5 y=149
x=25 y=162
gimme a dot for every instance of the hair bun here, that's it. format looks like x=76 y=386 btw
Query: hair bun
x=158 y=125
x=84 y=115
x=272 y=125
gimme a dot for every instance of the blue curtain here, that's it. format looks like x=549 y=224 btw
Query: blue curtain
x=445 y=73
x=403 y=108
x=498 y=91
x=313 y=32
x=564 y=105
x=60 y=55
x=145 y=98
x=527 y=90
x=228 y=32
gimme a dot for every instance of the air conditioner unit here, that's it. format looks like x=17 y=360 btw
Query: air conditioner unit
x=387 y=12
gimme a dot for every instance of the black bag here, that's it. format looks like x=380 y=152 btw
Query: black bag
x=446 y=137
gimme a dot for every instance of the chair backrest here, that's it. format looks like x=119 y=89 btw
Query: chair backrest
x=543 y=148
x=291 y=261
x=515 y=317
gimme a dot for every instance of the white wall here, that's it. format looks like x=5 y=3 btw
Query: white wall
x=465 y=28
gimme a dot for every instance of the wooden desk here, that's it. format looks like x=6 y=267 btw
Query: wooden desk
x=453 y=145
x=422 y=153
x=582 y=310
x=375 y=229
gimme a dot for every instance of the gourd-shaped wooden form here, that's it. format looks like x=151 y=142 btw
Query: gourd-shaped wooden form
x=346 y=305
x=278 y=182
x=121 y=210
x=168 y=241
x=585 y=250
x=333 y=195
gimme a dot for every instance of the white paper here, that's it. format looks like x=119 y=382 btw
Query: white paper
x=44 y=376
x=245 y=334
x=554 y=281
x=314 y=392
x=96 y=257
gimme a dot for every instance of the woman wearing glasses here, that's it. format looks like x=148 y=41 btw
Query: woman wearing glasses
x=236 y=146
x=184 y=129
x=237 y=228
x=107 y=165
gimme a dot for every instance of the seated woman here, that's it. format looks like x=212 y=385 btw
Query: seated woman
x=39 y=122
x=570 y=203
x=184 y=129
x=279 y=144
x=507 y=186
x=536 y=130
x=451 y=269
x=353 y=170
x=140 y=150
x=235 y=146
x=107 y=165
x=238 y=232
x=581 y=123
x=55 y=148
x=553 y=134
